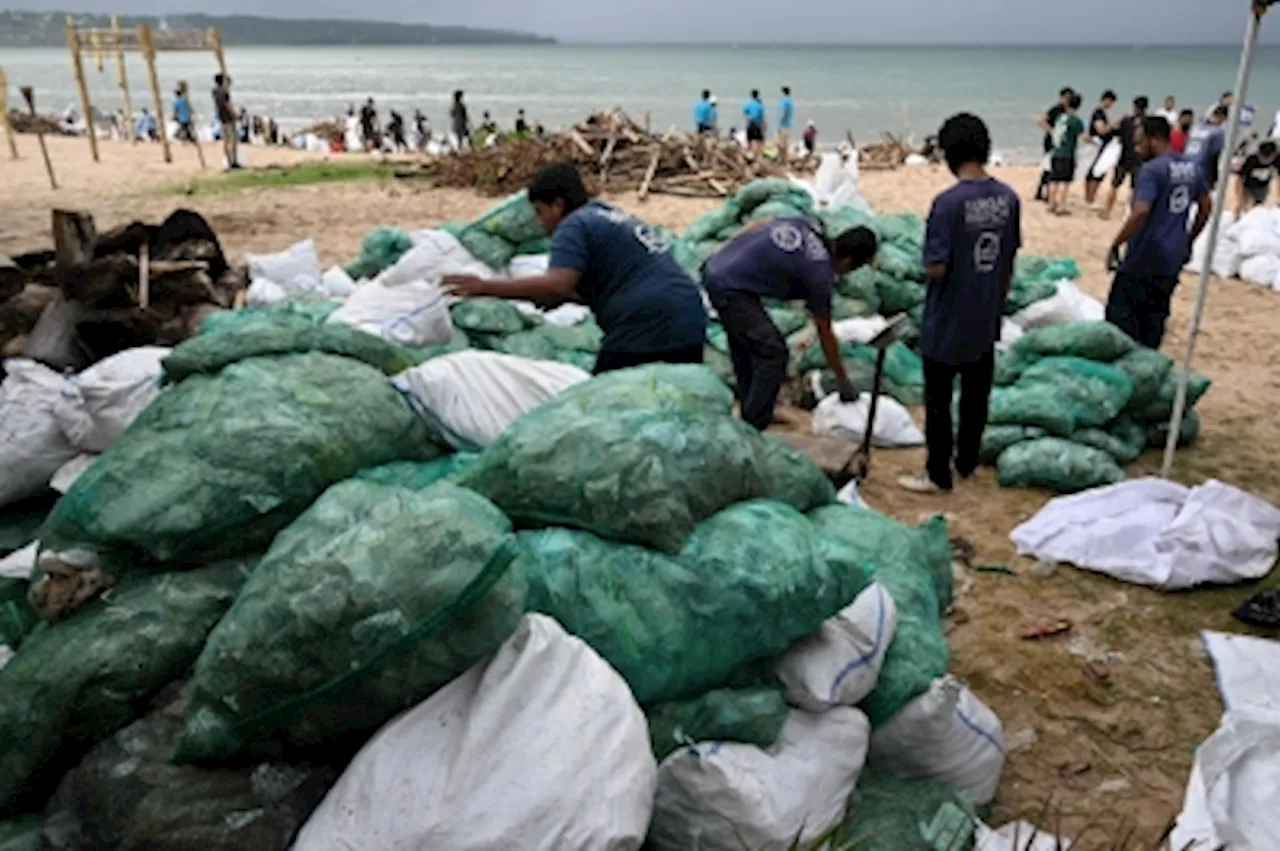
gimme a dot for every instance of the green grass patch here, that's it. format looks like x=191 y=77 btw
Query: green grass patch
x=305 y=174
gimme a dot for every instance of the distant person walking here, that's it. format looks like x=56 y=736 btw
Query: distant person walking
x=1206 y=141
x=1102 y=131
x=395 y=129
x=702 y=109
x=811 y=138
x=1046 y=123
x=1130 y=160
x=972 y=238
x=369 y=126
x=461 y=121
x=421 y=129
x=1062 y=162
x=753 y=111
x=522 y=125
x=225 y=111
x=786 y=117
x=1156 y=235
x=144 y=128
x=182 y=114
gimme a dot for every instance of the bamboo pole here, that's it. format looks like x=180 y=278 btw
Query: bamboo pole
x=95 y=39
x=149 y=54
x=4 y=116
x=30 y=97
x=144 y=276
x=77 y=64
x=215 y=39
x=122 y=77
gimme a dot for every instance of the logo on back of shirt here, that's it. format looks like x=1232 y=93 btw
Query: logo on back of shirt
x=651 y=238
x=787 y=237
x=983 y=213
x=814 y=248
x=986 y=252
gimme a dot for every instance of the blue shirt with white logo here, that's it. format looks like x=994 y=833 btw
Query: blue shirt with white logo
x=786 y=259
x=1170 y=183
x=642 y=299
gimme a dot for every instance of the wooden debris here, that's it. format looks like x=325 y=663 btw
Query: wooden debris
x=888 y=152
x=616 y=154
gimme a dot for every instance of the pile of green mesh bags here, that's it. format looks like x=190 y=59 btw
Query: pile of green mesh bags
x=502 y=232
x=1075 y=402
x=498 y=325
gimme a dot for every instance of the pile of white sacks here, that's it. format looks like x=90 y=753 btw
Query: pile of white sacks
x=1248 y=248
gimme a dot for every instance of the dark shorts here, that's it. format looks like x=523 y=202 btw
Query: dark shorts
x=184 y=133
x=755 y=133
x=1257 y=194
x=705 y=128
x=1126 y=170
x=1062 y=170
x=1139 y=305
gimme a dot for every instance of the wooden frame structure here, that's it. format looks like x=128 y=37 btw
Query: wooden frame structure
x=144 y=40
x=4 y=116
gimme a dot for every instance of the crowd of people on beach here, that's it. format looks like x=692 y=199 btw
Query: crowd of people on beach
x=706 y=121
x=1111 y=154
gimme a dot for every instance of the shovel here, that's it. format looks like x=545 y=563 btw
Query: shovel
x=859 y=466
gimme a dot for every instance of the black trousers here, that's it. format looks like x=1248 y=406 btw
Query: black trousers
x=1139 y=306
x=607 y=361
x=758 y=351
x=961 y=446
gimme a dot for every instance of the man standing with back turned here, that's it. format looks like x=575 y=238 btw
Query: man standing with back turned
x=226 y=113
x=786 y=117
x=972 y=237
x=1156 y=234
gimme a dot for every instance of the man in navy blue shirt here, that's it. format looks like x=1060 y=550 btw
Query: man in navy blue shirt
x=648 y=307
x=972 y=237
x=785 y=259
x=1156 y=235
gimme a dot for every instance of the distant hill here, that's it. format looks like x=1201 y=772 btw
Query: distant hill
x=46 y=29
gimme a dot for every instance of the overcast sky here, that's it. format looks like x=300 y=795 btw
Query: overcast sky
x=826 y=21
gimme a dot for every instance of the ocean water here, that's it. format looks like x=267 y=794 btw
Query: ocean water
x=862 y=90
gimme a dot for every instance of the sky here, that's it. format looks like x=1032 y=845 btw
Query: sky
x=738 y=21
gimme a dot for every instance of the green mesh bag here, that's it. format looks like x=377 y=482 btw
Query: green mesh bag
x=898 y=287
x=711 y=223
x=779 y=209
x=1147 y=370
x=380 y=250
x=17 y=618
x=1062 y=395
x=788 y=320
x=217 y=465
x=677 y=626
x=914 y=566
x=487 y=316
x=1161 y=408
x=417 y=475
x=889 y=814
x=766 y=190
x=905 y=230
x=655 y=387
x=1057 y=465
x=77 y=681
x=1024 y=292
x=861 y=286
x=998 y=438
x=752 y=716
x=583 y=337
x=1097 y=341
x=641 y=476
x=364 y=606
x=288 y=328
x=526 y=344
x=503 y=231
x=1124 y=441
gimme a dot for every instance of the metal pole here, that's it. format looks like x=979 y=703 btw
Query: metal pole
x=1220 y=198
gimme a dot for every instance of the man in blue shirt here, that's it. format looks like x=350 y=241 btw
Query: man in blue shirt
x=785 y=259
x=753 y=111
x=786 y=117
x=182 y=114
x=648 y=307
x=702 y=112
x=1156 y=235
x=1206 y=141
x=144 y=127
x=971 y=239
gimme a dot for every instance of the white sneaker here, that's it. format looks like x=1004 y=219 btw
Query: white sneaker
x=920 y=484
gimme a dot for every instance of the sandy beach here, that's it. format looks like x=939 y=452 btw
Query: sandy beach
x=1103 y=723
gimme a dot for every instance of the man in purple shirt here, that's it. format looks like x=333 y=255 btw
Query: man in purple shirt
x=1156 y=235
x=973 y=234
x=785 y=259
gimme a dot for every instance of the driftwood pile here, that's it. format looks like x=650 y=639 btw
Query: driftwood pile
x=887 y=152
x=615 y=154
x=94 y=295
x=331 y=131
x=49 y=125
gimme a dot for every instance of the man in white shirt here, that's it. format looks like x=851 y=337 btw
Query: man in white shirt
x=1170 y=111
